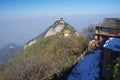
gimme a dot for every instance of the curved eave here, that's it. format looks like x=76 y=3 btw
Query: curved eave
x=107 y=27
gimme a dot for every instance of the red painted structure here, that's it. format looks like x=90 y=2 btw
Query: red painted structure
x=110 y=27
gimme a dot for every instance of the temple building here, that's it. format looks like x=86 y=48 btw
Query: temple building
x=67 y=33
x=110 y=27
x=61 y=21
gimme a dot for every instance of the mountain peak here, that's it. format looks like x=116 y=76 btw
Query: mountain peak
x=10 y=46
x=59 y=26
x=9 y=51
x=60 y=21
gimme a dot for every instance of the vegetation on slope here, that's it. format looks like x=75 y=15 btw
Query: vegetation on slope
x=46 y=59
x=116 y=70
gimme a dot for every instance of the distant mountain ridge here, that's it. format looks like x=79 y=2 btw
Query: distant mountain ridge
x=8 y=51
x=58 y=27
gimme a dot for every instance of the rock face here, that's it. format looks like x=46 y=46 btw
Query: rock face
x=30 y=43
x=58 y=27
x=53 y=31
x=89 y=31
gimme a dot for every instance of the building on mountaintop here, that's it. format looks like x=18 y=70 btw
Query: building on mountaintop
x=110 y=27
x=67 y=33
x=108 y=34
x=61 y=21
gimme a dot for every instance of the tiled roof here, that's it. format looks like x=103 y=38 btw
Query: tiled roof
x=110 y=23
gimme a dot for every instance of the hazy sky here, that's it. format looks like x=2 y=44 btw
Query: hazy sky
x=22 y=20
x=26 y=8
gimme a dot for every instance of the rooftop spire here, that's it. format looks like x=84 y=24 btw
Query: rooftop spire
x=61 y=18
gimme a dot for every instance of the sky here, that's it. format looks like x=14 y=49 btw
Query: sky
x=22 y=20
x=27 y=8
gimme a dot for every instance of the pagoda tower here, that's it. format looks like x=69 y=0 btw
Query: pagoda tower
x=61 y=20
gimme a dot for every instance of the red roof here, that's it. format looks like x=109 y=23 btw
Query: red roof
x=61 y=18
